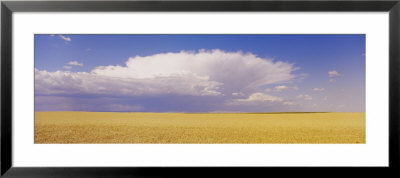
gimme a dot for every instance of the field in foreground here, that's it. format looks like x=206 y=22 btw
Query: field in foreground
x=109 y=127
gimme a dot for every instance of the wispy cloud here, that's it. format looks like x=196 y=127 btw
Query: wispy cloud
x=68 y=39
x=318 y=89
x=261 y=97
x=332 y=74
x=256 y=98
x=305 y=97
x=290 y=103
x=75 y=63
x=281 y=88
x=237 y=94
x=67 y=67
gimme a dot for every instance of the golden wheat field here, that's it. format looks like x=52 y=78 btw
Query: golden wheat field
x=109 y=127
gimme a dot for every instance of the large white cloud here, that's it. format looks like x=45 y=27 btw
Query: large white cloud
x=201 y=73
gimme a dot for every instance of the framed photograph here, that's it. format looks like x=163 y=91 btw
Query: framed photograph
x=169 y=88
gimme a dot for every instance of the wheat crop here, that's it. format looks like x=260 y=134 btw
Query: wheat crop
x=196 y=128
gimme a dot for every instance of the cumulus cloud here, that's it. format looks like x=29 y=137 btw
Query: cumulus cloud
x=202 y=73
x=75 y=83
x=305 y=97
x=318 y=89
x=68 y=39
x=235 y=70
x=75 y=63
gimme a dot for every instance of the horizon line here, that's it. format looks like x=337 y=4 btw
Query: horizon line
x=284 y=112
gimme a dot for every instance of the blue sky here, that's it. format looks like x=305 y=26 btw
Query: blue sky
x=200 y=73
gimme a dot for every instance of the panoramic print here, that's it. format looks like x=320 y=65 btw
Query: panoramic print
x=200 y=89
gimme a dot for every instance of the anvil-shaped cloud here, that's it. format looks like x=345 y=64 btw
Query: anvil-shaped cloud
x=201 y=73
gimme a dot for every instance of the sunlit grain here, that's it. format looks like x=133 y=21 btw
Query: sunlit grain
x=108 y=127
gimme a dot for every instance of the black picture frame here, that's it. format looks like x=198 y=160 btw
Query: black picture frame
x=8 y=7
